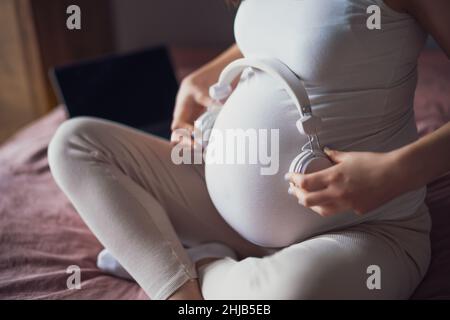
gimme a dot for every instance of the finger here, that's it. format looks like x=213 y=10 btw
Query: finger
x=324 y=209
x=309 y=182
x=333 y=204
x=182 y=125
x=204 y=100
x=186 y=111
x=175 y=137
x=176 y=124
x=328 y=210
x=180 y=134
x=334 y=155
x=186 y=143
x=311 y=199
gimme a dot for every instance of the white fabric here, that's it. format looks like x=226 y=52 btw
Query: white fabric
x=210 y=250
x=360 y=82
x=277 y=70
x=144 y=209
x=107 y=263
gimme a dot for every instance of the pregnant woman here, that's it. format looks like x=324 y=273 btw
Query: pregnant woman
x=194 y=231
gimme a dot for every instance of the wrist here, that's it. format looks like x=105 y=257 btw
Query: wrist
x=407 y=168
x=204 y=77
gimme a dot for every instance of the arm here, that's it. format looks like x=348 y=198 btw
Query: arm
x=429 y=157
x=433 y=16
x=193 y=95
x=363 y=181
x=424 y=160
x=215 y=67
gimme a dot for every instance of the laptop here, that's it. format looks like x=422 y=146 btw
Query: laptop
x=137 y=89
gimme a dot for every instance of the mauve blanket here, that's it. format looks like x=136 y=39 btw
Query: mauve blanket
x=41 y=235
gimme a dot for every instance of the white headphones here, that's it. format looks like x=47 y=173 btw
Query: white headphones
x=311 y=159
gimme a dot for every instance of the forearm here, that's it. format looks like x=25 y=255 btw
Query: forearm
x=227 y=56
x=424 y=160
x=215 y=66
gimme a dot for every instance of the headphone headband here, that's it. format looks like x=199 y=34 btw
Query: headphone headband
x=310 y=160
x=275 y=68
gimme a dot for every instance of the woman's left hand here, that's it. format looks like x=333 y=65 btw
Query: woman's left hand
x=359 y=181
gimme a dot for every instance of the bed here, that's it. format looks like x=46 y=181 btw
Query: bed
x=41 y=235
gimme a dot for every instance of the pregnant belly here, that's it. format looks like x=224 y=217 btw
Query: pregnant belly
x=252 y=195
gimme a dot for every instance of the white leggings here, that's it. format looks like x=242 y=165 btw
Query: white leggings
x=143 y=209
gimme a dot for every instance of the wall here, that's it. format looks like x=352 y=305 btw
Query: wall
x=33 y=38
x=142 y=23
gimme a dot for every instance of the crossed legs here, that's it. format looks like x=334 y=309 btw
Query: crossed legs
x=144 y=209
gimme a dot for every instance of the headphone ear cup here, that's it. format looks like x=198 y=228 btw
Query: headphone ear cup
x=316 y=163
x=309 y=162
x=297 y=164
x=204 y=125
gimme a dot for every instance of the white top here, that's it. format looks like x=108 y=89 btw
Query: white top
x=360 y=81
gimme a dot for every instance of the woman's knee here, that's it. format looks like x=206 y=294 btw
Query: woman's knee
x=68 y=136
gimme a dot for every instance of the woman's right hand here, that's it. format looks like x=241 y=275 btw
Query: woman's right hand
x=192 y=98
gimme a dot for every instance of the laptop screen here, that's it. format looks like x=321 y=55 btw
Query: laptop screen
x=136 y=89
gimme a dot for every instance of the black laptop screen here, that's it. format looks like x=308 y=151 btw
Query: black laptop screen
x=137 y=89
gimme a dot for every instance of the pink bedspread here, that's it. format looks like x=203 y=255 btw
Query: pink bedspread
x=41 y=235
